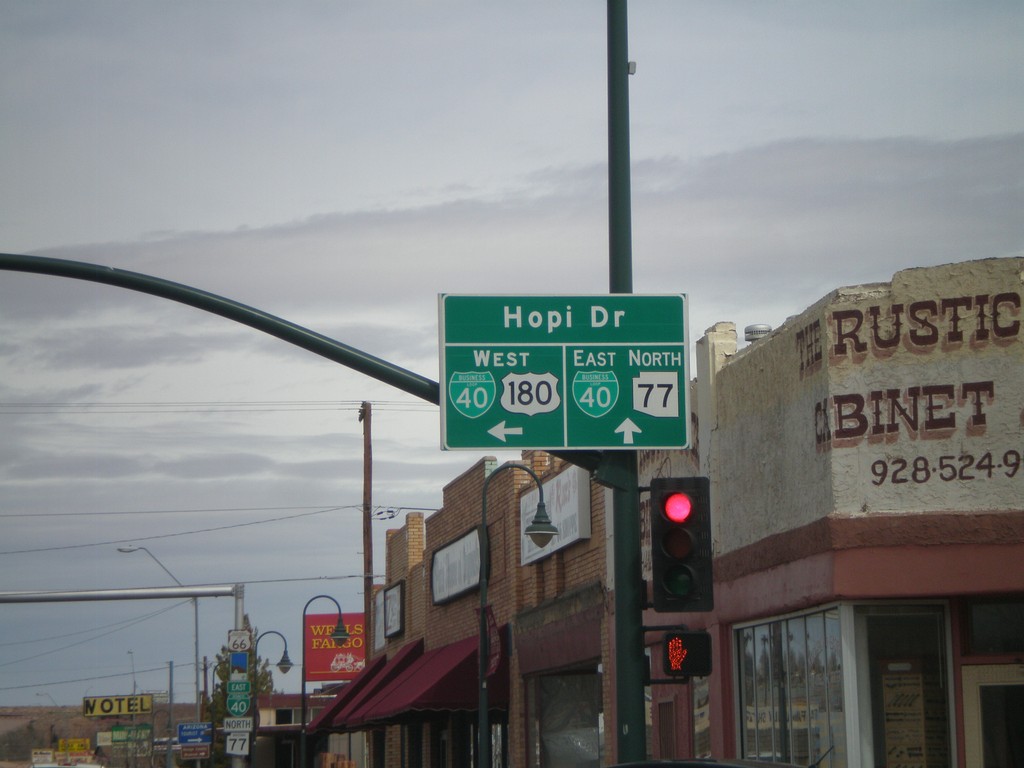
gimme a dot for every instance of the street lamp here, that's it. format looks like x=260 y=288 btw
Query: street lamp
x=52 y=734
x=339 y=635
x=285 y=664
x=540 y=530
x=195 y=616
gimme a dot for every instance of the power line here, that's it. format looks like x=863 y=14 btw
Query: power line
x=380 y=512
x=97 y=637
x=90 y=679
x=203 y=510
x=113 y=627
x=173 y=535
x=213 y=406
x=118 y=626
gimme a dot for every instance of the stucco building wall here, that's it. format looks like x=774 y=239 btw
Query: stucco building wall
x=865 y=456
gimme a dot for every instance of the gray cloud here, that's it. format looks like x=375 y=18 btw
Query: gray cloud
x=864 y=205
x=339 y=166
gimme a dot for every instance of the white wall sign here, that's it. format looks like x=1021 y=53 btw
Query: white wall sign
x=378 y=621
x=455 y=568
x=567 y=498
x=394 y=610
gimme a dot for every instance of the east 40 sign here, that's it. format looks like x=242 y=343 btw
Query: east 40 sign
x=564 y=372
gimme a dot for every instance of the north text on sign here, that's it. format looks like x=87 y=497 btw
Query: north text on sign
x=646 y=358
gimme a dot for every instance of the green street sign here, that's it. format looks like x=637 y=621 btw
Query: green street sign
x=121 y=734
x=243 y=687
x=238 y=704
x=564 y=372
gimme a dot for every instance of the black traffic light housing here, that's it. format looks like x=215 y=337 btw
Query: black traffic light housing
x=686 y=653
x=681 y=544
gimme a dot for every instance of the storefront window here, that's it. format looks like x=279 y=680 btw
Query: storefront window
x=565 y=728
x=791 y=690
x=996 y=626
x=412 y=740
x=909 y=691
x=834 y=738
x=700 y=691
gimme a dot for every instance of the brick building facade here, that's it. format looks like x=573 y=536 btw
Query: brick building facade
x=865 y=462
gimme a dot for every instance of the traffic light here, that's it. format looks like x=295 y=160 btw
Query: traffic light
x=686 y=654
x=681 y=544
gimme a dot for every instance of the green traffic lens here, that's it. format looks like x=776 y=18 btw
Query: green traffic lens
x=679 y=581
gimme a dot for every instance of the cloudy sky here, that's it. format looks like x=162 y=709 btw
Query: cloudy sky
x=340 y=164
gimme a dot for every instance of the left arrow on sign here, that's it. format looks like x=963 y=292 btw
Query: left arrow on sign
x=502 y=432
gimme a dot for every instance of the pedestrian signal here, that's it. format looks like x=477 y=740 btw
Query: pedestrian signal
x=686 y=654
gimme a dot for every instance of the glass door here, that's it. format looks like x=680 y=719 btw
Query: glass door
x=994 y=715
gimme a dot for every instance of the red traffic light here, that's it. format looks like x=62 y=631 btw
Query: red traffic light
x=681 y=552
x=678 y=507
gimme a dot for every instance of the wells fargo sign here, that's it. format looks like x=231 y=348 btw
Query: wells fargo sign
x=327 y=659
x=111 y=706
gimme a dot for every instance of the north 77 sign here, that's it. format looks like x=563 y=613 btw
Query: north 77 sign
x=564 y=372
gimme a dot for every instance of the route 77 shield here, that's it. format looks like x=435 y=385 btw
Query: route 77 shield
x=472 y=392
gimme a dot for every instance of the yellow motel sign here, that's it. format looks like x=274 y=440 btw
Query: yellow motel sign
x=112 y=706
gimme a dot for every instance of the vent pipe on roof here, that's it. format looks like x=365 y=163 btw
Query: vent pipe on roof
x=754 y=332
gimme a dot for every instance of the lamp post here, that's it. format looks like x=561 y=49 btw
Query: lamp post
x=284 y=665
x=540 y=530
x=340 y=634
x=215 y=681
x=195 y=619
x=53 y=734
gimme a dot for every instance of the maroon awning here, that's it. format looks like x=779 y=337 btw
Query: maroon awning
x=346 y=694
x=389 y=672
x=444 y=679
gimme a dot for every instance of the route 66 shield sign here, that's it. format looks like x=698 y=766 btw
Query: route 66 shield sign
x=472 y=392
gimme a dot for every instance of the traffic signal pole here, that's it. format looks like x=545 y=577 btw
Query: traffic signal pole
x=619 y=468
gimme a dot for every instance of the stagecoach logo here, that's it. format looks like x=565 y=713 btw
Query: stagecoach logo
x=346 y=662
x=472 y=392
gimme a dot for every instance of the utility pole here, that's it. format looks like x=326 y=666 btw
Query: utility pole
x=365 y=413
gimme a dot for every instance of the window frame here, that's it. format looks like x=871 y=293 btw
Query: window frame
x=855 y=672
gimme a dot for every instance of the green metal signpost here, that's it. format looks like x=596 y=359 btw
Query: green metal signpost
x=563 y=372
